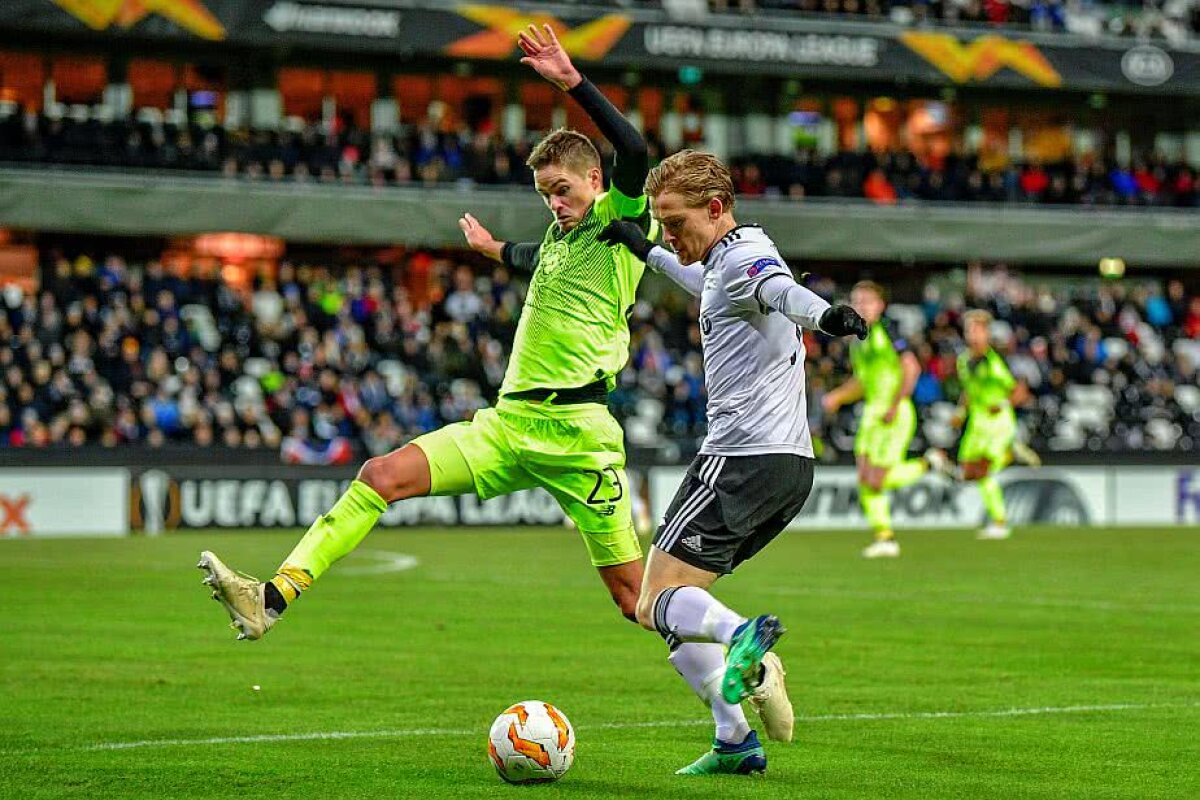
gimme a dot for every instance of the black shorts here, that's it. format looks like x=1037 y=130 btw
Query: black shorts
x=730 y=507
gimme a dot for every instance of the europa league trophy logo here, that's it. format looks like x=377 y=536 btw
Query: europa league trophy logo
x=154 y=485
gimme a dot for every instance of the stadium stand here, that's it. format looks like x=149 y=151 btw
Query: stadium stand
x=425 y=156
x=323 y=363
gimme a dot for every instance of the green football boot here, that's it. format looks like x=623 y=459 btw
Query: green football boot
x=750 y=642
x=746 y=758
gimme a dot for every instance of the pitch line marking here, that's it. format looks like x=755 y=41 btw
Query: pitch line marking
x=386 y=561
x=682 y=723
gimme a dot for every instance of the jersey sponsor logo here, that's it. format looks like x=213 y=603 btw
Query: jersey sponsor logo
x=759 y=266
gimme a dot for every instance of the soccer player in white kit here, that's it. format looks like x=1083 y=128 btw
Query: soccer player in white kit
x=755 y=468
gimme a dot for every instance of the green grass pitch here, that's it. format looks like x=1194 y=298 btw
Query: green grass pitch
x=1059 y=664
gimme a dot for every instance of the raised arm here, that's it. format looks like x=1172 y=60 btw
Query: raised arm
x=548 y=58
x=520 y=256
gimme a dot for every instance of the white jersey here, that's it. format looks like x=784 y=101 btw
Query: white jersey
x=753 y=354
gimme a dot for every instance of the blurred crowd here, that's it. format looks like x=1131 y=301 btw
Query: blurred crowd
x=316 y=365
x=426 y=156
x=326 y=366
x=1111 y=366
x=892 y=178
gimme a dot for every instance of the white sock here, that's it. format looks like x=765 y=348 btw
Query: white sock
x=694 y=615
x=702 y=665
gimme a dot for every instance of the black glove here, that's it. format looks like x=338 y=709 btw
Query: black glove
x=622 y=231
x=843 y=321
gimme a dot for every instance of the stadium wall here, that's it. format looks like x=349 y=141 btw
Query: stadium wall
x=1077 y=496
x=95 y=202
x=114 y=502
x=64 y=502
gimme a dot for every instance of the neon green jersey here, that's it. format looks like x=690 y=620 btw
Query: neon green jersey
x=876 y=364
x=986 y=381
x=574 y=327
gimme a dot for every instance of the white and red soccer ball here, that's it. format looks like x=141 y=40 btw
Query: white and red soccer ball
x=531 y=742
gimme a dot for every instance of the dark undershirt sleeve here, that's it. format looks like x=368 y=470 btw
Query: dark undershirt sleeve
x=632 y=161
x=521 y=256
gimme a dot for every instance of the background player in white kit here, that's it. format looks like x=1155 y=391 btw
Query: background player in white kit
x=755 y=468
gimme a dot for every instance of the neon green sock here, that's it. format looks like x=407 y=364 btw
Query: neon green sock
x=877 y=509
x=993 y=498
x=336 y=532
x=905 y=473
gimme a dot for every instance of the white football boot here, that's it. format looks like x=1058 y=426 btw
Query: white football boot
x=241 y=595
x=882 y=548
x=994 y=530
x=770 y=700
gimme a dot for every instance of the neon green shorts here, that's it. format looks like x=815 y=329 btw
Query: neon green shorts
x=575 y=452
x=989 y=436
x=885 y=444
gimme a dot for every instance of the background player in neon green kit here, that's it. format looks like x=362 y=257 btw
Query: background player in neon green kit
x=990 y=441
x=551 y=427
x=885 y=373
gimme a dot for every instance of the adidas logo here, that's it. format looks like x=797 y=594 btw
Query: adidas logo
x=691 y=542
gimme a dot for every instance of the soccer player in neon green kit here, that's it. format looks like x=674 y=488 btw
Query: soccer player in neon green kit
x=989 y=442
x=885 y=373
x=551 y=426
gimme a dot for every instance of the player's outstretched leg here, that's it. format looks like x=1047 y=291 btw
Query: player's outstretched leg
x=254 y=607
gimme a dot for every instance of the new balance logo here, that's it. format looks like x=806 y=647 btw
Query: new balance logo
x=691 y=542
x=607 y=511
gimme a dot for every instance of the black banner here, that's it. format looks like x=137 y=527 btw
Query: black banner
x=782 y=46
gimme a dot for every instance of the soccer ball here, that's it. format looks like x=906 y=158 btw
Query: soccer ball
x=531 y=742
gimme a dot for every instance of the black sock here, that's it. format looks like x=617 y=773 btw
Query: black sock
x=273 y=598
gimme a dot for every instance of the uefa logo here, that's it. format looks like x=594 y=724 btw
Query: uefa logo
x=1147 y=65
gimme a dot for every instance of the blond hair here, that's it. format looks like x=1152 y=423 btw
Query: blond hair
x=566 y=148
x=696 y=177
x=977 y=315
x=870 y=286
